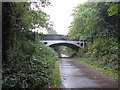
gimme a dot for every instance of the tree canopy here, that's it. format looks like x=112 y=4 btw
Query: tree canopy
x=99 y=21
x=94 y=20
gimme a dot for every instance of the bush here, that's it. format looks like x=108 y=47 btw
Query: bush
x=29 y=65
x=81 y=52
x=102 y=53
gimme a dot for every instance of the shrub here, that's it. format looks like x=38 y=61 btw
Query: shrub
x=30 y=65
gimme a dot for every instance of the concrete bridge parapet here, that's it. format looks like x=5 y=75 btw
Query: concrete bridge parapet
x=61 y=40
x=51 y=42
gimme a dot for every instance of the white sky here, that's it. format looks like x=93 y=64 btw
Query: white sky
x=60 y=12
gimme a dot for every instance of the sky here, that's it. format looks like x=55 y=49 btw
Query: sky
x=60 y=12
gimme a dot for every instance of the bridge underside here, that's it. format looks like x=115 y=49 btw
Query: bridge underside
x=74 y=47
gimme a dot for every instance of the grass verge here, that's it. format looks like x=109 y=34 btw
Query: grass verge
x=104 y=71
x=56 y=76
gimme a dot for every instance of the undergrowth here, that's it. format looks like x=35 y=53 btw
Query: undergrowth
x=30 y=65
x=55 y=83
x=107 y=72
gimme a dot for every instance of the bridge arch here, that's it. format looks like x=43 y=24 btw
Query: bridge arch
x=70 y=45
x=61 y=40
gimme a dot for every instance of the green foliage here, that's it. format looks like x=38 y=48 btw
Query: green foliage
x=84 y=20
x=103 y=47
x=100 y=22
x=92 y=20
x=81 y=52
x=29 y=65
x=50 y=30
x=17 y=18
x=55 y=82
x=113 y=8
x=100 y=55
x=26 y=62
x=67 y=51
x=105 y=71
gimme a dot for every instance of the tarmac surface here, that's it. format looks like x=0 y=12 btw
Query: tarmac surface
x=76 y=75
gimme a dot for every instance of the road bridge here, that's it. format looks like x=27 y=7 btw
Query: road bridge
x=61 y=40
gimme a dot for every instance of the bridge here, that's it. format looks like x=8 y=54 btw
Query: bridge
x=53 y=40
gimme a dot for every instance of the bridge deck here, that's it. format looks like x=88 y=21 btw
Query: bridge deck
x=50 y=42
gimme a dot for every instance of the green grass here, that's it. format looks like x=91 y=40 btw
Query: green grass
x=56 y=76
x=104 y=71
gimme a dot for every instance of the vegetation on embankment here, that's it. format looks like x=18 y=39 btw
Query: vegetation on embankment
x=107 y=72
x=97 y=22
x=55 y=83
x=30 y=65
x=26 y=63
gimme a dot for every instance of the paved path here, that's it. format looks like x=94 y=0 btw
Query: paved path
x=76 y=75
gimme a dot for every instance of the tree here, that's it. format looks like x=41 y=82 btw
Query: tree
x=50 y=30
x=113 y=8
x=18 y=18
x=100 y=21
x=26 y=62
x=84 y=21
